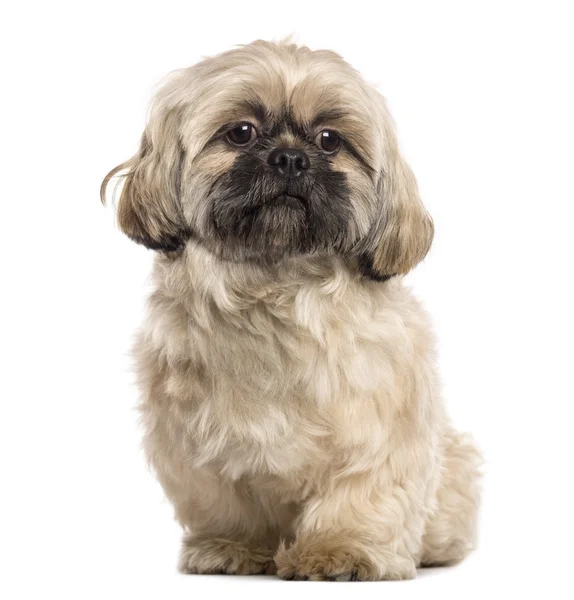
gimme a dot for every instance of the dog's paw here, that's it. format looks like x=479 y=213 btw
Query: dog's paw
x=327 y=559
x=221 y=556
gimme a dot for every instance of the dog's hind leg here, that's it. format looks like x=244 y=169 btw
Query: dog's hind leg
x=451 y=529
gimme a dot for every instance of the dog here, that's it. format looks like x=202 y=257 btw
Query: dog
x=290 y=398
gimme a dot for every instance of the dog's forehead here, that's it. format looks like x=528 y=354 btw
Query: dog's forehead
x=277 y=76
x=302 y=90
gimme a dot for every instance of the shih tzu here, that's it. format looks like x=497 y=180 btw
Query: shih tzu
x=290 y=397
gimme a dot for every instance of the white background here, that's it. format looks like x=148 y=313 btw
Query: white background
x=483 y=97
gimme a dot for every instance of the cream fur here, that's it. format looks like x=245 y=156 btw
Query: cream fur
x=293 y=412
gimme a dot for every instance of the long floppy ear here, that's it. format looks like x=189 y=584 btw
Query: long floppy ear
x=403 y=232
x=149 y=210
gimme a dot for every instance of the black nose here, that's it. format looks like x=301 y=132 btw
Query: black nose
x=289 y=161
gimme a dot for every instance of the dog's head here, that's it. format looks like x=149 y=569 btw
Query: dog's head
x=272 y=150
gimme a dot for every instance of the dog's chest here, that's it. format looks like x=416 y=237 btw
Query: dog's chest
x=274 y=387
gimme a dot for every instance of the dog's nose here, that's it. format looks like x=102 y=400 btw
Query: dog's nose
x=289 y=161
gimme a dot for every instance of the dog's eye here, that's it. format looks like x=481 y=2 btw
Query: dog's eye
x=328 y=141
x=242 y=134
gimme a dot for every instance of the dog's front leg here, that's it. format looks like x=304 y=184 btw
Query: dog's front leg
x=226 y=530
x=363 y=528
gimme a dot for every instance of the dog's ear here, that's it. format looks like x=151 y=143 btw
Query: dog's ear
x=149 y=209
x=403 y=231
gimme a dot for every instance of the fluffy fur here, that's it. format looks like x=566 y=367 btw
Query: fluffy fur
x=290 y=397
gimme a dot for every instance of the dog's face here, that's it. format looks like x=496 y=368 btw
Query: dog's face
x=273 y=150
x=282 y=193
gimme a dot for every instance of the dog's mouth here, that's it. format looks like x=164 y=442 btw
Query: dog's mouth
x=289 y=200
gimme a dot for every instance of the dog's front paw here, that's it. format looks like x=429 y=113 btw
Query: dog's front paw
x=336 y=559
x=221 y=556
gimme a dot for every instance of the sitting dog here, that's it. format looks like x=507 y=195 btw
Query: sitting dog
x=290 y=396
